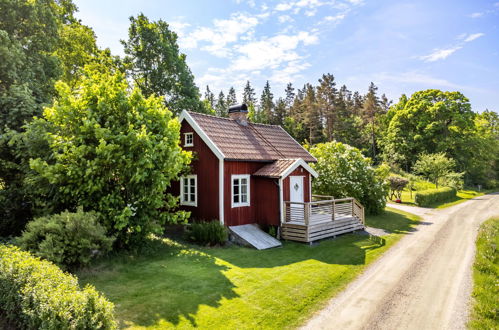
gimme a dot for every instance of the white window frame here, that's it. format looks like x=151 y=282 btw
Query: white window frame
x=248 y=199
x=187 y=144
x=189 y=202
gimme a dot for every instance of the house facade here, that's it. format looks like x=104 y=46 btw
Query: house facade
x=241 y=172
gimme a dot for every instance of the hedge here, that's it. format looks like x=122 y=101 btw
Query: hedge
x=432 y=196
x=36 y=294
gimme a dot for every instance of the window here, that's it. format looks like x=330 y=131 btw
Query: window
x=240 y=190
x=188 y=140
x=188 y=190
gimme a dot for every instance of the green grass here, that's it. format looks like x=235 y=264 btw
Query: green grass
x=186 y=286
x=485 y=312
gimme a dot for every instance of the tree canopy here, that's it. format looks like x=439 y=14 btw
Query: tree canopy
x=113 y=151
x=156 y=65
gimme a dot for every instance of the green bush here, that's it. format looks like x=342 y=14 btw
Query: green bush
x=67 y=239
x=345 y=172
x=36 y=294
x=432 y=196
x=207 y=233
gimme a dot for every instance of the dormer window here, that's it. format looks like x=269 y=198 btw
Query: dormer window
x=188 y=140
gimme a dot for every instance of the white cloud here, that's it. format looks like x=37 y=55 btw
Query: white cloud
x=271 y=52
x=299 y=4
x=223 y=32
x=474 y=36
x=440 y=54
x=476 y=15
x=285 y=19
x=335 y=18
x=443 y=53
x=311 y=13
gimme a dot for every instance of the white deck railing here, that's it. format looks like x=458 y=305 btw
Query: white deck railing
x=321 y=211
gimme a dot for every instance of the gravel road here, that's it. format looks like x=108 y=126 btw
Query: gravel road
x=423 y=282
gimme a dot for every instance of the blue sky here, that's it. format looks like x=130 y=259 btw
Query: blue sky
x=402 y=46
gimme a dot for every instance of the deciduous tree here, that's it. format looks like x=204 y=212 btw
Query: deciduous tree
x=114 y=151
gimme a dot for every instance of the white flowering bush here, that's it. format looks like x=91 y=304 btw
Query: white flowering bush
x=345 y=172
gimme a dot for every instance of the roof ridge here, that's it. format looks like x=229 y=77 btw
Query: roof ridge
x=225 y=118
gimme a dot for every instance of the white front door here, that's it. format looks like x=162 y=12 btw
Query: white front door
x=296 y=190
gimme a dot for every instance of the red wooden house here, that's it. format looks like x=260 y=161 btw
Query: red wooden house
x=245 y=173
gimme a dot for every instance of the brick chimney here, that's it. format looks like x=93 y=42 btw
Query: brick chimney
x=239 y=113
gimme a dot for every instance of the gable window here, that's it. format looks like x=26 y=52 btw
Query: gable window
x=188 y=140
x=189 y=190
x=240 y=190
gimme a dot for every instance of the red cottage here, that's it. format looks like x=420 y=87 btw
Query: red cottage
x=247 y=173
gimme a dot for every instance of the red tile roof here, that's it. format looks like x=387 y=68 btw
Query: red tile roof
x=252 y=142
x=275 y=169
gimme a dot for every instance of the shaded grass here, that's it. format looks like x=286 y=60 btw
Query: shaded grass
x=485 y=312
x=186 y=286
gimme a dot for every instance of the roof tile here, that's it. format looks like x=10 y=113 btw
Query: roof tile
x=252 y=142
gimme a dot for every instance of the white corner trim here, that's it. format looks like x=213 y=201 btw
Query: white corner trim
x=295 y=165
x=185 y=115
x=281 y=201
x=221 y=189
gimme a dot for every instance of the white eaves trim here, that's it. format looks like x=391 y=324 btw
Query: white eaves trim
x=299 y=162
x=292 y=138
x=185 y=115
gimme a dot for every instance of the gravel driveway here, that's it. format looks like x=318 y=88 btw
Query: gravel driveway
x=423 y=282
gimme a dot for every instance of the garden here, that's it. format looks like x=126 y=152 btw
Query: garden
x=177 y=284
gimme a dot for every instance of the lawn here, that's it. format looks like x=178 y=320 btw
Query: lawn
x=182 y=285
x=485 y=311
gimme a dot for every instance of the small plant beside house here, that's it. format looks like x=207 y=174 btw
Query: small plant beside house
x=207 y=233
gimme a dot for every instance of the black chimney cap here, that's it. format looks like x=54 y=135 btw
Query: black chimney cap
x=238 y=108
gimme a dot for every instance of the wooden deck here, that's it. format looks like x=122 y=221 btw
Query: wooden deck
x=307 y=222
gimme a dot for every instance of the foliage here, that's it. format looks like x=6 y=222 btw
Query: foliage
x=36 y=294
x=29 y=36
x=397 y=185
x=157 y=66
x=432 y=196
x=430 y=121
x=485 y=312
x=115 y=152
x=436 y=167
x=237 y=287
x=345 y=172
x=67 y=239
x=207 y=232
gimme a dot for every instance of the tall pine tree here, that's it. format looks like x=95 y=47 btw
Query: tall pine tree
x=231 y=97
x=249 y=95
x=266 y=105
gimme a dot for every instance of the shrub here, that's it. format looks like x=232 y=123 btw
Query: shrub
x=432 y=196
x=67 y=239
x=207 y=233
x=36 y=294
x=345 y=172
